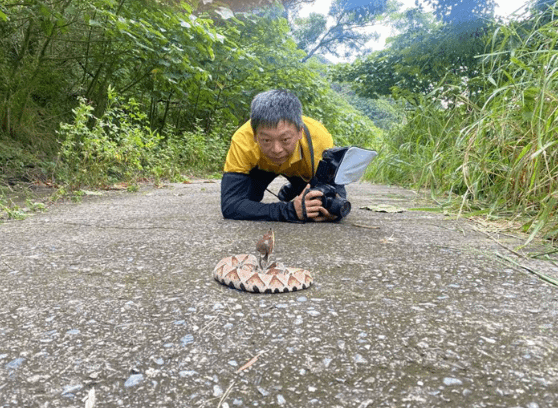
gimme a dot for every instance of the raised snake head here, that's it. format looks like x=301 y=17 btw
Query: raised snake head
x=265 y=248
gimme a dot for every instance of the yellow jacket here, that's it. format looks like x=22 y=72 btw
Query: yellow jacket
x=245 y=154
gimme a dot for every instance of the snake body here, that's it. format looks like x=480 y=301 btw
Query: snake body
x=245 y=272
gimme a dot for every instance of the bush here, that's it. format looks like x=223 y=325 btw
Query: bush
x=496 y=149
x=198 y=151
x=121 y=147
x=116 y=147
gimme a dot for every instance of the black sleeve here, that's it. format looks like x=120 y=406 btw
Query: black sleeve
x=236 y=204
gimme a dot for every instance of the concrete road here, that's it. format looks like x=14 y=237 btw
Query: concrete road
x=114 y=297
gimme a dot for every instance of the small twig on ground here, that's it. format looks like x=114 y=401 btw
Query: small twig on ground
x=90 y=398
x=499 y=243
x=534 y=272
x=225 y=395
x=364 y=226
x=5 y=263
x=211 y=323
x=487 y=354
x=249 y=363
x=554 y=251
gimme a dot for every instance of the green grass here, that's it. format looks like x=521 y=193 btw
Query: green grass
x=492 y=152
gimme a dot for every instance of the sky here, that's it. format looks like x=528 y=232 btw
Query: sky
x=504 y=8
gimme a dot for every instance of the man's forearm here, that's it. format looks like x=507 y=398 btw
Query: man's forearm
x=236 y=204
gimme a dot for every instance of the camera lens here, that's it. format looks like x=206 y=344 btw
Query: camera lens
x=339 y=207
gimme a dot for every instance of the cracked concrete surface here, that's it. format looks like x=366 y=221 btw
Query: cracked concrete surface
x=409 y=309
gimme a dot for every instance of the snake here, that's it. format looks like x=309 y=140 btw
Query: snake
x=248 y=273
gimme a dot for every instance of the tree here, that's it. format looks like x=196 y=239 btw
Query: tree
x=257 y=53
x=30 y=79
x=249 y=6
x=147 y=84
x=344 y=35
x=425 y=54
x=292 y=7
x=384 y=111
x=235 y=5
x=462 y=11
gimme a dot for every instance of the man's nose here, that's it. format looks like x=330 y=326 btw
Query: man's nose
x=276 y=147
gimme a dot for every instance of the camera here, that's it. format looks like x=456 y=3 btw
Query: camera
x=339 y=166
x=324 y=181
x=331 y=201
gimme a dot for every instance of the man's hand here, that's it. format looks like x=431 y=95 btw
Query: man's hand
x=314 y=209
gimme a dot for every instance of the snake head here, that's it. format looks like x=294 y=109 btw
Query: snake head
x=265 y=248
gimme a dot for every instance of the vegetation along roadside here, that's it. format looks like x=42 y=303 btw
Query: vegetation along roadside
x=93 y=94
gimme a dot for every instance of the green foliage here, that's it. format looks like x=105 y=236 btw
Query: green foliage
x=121 y=147
x=29 y=80
x=462 y=11
x=16 y=163
x=513 y=135
x=11 y=211
x=347 y=125
x=308 y=30
x=156 y=58
x=116 y=147
x=195 y=150
x=257 y=54
x=52 y=51
x=121 y=91
x=424 y=151
x=345 y=35
x=384 y=112
x=424 y=55
x=495 y=148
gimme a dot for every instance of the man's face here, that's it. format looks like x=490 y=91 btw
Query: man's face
x=277 y=144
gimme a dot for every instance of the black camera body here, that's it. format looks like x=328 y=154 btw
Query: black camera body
x=324 y=181
x=331 y=201
x=339 y=166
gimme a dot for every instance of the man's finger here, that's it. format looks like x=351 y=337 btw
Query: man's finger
x=325 y=216
x=313 y=194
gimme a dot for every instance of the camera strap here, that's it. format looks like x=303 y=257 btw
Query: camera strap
x=311 y=148
x=304 y=212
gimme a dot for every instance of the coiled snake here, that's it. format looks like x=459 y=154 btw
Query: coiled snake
x=248 y=273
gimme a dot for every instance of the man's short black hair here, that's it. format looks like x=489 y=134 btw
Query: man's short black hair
x=271 y=107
